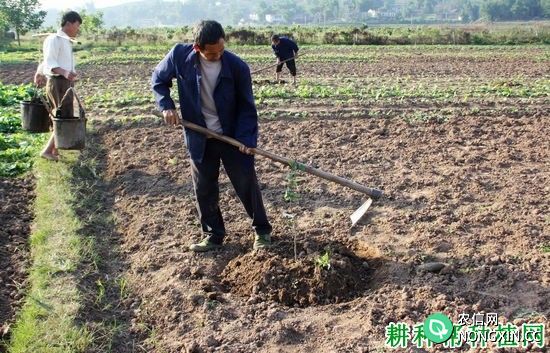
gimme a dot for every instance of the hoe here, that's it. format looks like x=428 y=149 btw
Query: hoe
x=279 y=63
x=355 y=217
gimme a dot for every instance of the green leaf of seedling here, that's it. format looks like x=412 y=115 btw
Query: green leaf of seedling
x=323 y=261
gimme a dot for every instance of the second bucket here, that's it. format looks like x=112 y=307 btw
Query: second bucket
x=70 y=132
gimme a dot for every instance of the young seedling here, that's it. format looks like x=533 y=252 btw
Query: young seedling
x=323 y=261
x=123 y=287
x=291 y=195
x=100 y=291
x=290 y=218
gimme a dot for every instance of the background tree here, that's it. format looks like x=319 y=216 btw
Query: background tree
x=3 y=22
x=388 y=5
x=3 y=29
x=22 y=15
x=545 y=5
x=288 y=9
x=366 y=5
x=150 y=13
x=91 y=22
x=263 y=9
x=527 y=9
x=520 y=10
x=470 y=12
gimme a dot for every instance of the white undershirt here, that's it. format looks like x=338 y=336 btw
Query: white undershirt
x=210 y=70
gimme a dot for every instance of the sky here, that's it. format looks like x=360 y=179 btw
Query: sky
x=73 y=4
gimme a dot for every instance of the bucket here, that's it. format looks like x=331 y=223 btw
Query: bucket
x=70 y=132
x=34 y=117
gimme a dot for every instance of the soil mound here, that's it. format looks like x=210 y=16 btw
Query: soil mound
x=331 y=275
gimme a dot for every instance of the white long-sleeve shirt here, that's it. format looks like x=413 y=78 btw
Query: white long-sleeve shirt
x=58 y=52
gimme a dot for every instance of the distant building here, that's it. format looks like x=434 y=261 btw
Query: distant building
x=9 y=35
x=301 y=18
x=274 y=19
x=381 y=14
x=448 y=15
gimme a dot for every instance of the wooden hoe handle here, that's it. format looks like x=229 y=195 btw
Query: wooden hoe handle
x=374 y=193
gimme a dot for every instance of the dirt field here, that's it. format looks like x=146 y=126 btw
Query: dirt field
x=462 y=193
x=15 y=217
x=466 y=184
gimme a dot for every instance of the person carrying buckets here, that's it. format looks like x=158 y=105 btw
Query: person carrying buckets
x=58 y=67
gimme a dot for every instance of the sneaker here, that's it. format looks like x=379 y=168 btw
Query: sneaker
x=262 y=241
x=205 y=245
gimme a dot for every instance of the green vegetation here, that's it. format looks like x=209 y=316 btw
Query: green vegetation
x=67 y=277
x=365 y=89
x=110 y=98
x=104 y=288
x=91 y=22
x=75 y=274
x=536 y=33
x=291 y=192
x=291 y=195
x=150 y=45
x=9 y=120
x=21 y=15
x=17 y=148
x=320 y=12
x=11 y=94
x=323 y=261
x=46 y=322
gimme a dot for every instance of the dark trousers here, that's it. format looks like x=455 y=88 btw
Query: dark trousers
x=242 y=175
x=56 y=90
x=291 y=64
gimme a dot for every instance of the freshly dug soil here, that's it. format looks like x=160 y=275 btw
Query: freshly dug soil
x=16 y=216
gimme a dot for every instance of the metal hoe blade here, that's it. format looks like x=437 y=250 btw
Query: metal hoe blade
x=360 y=212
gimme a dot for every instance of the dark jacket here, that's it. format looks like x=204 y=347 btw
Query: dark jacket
x=233 y=96
x=285 y=49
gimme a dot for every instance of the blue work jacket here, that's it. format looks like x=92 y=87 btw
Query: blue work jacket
x=285 y=49
x=232 y=95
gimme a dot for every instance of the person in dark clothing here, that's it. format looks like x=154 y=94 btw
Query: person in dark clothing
x=215 y=91
x=284 y=48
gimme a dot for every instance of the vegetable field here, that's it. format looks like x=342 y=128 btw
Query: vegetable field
x=457 y=137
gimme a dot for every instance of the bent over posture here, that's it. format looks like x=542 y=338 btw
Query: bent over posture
x=284 y=49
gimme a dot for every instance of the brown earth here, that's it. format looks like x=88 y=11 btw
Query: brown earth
x=15 y=219
x=470 y=193
x=16 y=74
x=454 y=62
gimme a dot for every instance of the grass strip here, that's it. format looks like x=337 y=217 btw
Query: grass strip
x=47 y=320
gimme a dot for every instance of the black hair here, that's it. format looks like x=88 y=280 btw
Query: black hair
x=207 y=32
x=275 y=38
x=71 y=16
